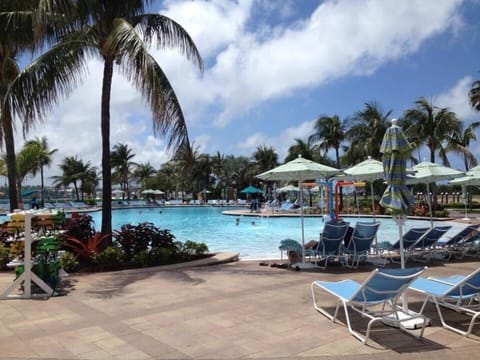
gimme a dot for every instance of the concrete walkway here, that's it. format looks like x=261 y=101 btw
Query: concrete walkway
x=236 y=310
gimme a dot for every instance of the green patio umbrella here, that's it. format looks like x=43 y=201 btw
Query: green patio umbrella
x=288 y=188
x=427 y=172
x=396 y=198
x=251 y=190
x=471 y=178
x=300 y=169
x=367 y=170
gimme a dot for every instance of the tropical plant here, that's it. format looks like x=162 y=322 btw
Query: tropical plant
x=187 y=161
x=43 y=157
x=365 y=134
x=26 y=164
x=143 y=172
x=329 y=133
x=81 y=227
x=431 y=126
x=111 y=258
x=75 y=171
x=4 y=255
x=138 y=239
x=301 y=148
x=192 y=248
x=122 y=166
x=474 y=95
x=265 y=158
x=460 y=143
x=68 y=261
x=86 y=249
x=25 y=26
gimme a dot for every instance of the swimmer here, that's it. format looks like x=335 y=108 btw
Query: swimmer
x=253 y=223
x=237 y=221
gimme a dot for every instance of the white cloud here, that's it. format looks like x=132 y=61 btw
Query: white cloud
x=456 y=99
x=280 y=142
x=249 y=64
x=337 y=40
x=211 y=24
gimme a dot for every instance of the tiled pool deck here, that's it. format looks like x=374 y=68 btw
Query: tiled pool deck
x=236 y=310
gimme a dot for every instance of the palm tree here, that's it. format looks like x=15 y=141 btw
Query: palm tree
x=474 y=95
x=26 y=164
x=119 y=32
x=43 y=156
x=25 y=26
x=143 y=172
x=429 y=125
x=122 y=165
x=329 y=133
x=459 y=143
x=186 y=160
x=266 y=158
x=300 y=148
x=365 y=134
x=74 y=171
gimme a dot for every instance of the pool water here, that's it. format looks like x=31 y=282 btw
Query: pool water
x=253 y=237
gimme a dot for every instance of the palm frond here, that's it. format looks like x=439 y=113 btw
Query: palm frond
x=142 y=69
x=165 y=32
x=47 y=80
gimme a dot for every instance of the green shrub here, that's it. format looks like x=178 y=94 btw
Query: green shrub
x=141 y=259
x=194 y=248
x=69 y=262
x=138 y=240
x=4 y=255
x=441 y=213
x=109 y=259
x=160 y=256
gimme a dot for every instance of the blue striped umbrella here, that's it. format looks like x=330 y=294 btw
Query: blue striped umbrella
x=396 y=149
x=396 y=198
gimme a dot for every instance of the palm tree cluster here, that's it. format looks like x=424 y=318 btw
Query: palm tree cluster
x=65 y=34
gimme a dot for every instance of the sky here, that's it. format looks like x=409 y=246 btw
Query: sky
x=274 y=66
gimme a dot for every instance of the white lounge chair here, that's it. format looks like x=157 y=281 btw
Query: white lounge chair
x=457 y=292
x=376 y=298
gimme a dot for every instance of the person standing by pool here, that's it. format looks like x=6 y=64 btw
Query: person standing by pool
x=34 y=204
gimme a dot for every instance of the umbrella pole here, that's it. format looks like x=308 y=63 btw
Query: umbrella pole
x=301 y=215
x=374 y=215
x=430 y=205
x=465 y=199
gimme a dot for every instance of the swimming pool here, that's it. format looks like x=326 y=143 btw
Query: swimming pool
x=258 y=241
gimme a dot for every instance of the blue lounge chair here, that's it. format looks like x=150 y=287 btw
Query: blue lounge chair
x=410 y=238
x=454 y=245
x=330 y=243
x=425 y=246
x=457 y=292
x=381 y=290
x=360 y=243
x=469 y=246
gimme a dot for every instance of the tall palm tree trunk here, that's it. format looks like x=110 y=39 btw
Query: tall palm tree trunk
x=106 y=164
x=11 y=161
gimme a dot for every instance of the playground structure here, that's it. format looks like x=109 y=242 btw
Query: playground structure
x=342 y=183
